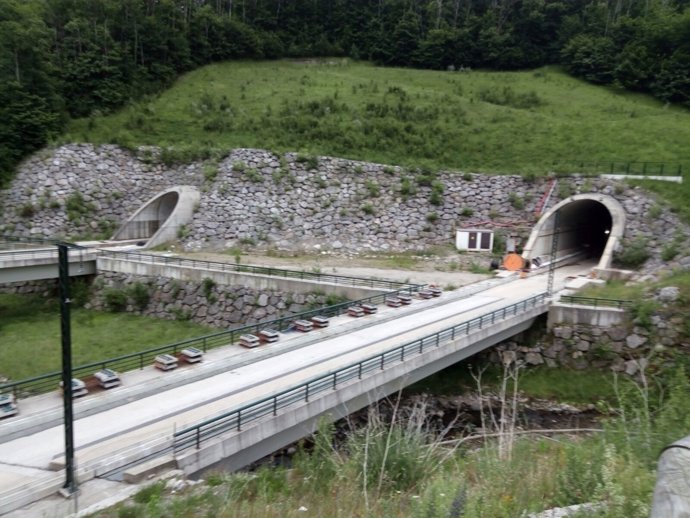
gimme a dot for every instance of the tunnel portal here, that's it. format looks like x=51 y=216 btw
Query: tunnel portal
x=159 y=219
x=589 y=227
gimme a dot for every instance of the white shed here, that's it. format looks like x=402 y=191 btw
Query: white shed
x=474 y=239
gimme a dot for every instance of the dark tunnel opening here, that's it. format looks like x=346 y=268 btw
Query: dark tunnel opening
x=585 y=225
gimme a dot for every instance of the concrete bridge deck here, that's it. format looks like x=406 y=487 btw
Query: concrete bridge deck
x=111 y=437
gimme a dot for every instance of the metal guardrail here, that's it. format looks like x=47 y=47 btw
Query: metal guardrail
x=343 y=280
x=34 y=241
x=141 y=359
x=193 y=436
x=47 y=253
x=597 y=302
x=620 y=167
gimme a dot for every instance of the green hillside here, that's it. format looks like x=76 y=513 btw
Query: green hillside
x=486 y=121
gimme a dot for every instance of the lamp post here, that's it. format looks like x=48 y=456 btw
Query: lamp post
x=70 y=486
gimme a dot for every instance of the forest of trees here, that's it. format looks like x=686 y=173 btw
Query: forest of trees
x=71 y=58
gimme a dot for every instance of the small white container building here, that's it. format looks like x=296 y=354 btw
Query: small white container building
x=474 y=239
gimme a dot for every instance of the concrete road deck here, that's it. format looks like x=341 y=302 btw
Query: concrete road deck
x=103 y=436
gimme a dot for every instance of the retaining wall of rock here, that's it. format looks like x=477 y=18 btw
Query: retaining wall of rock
x=203 y=302
x=288 y=202
x=633 y=345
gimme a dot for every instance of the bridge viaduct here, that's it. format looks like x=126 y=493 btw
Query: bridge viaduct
x=240 y=405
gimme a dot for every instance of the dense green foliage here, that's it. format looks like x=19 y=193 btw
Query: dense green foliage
x=405 y=469
x=71 y=58
x=540 y=120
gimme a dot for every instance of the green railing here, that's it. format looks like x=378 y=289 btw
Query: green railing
x=597 y=302
x=141 y=359
x=193 y=436
x=619 y=167
x=343 y=280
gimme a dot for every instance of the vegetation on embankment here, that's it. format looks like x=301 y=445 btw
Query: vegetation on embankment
x=404 y=470
x=557 y=383
x=62 y=59
x=541 y=120
x=30 y=335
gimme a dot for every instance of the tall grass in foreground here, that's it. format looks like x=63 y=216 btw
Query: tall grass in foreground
x=399 y=469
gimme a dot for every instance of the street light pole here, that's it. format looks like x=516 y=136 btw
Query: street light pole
x=70 y=486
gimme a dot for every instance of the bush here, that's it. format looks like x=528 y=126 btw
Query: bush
x=368 y=209
x=670 y=251
x=309 y=161
x=207 y=286
x=432 y=217
x=395 y=456
x=253 y=175
x=80 y=292
x=373 y=188
x=633 y=255
x=140 y=295
x=426 y=179
x=210 y=172
x=76 y=207
x=436 y=198
x=407 y=188
x=149 y=493
x=518 y=202
x=182 y=232
x=27 y=211
x=115 y=299
x=643 y=310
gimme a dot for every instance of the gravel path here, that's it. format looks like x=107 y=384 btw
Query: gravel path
x=424 y=271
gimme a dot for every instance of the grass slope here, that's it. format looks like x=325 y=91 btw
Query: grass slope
x=485 y=121
x=30 y=335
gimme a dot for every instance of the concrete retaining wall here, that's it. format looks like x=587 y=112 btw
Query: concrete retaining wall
x=248 y=280
x=560 y=313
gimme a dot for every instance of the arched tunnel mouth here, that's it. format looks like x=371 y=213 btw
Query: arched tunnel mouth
x=149 y=218
x=585 y=225
x=587 y=229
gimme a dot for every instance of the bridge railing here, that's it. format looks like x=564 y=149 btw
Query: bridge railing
x=29 y=253
x=141 y=359
x=597 y=302
x=343 y=280
x=194 y=436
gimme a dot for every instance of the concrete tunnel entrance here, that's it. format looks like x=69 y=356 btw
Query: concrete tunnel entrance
x=590 y=227
x=158 y=220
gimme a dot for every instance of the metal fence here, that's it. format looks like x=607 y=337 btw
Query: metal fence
x=342 y=280
x=597 y=302
x=141 y=359
x=620 y=167
x=193 y=436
